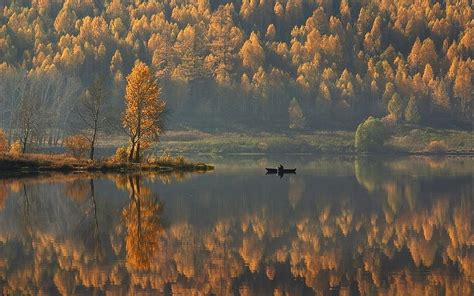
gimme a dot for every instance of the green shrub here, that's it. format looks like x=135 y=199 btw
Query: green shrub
x=370 y=135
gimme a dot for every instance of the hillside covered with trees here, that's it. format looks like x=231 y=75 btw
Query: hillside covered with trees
x=312 y=64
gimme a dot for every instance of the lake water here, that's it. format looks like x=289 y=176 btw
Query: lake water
x=340 y=226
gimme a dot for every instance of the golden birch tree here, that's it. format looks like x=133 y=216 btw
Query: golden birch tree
x=144 y=110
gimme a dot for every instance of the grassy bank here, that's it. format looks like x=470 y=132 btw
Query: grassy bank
x=403 y=139
x=222 y=143
x=31 y=163
x=416 y=140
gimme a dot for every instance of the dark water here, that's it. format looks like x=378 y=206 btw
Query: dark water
x=341 y=226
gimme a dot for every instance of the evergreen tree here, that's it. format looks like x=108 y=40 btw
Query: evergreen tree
x=412 y=114
x=396 y=106
x=296 y=116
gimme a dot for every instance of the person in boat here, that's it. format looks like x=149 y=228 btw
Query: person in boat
x=280 y=169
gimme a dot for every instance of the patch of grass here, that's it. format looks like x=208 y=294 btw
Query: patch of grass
x=414 y=139
x=325 y=142
x=402 y=139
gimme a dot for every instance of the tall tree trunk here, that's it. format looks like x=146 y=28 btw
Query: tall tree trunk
x=131 y=153
x=25 y=141
x=93 y=143
x=137 y=153
x=92 y=150
x=138 y=205
x=58 y=136
x=98 y=252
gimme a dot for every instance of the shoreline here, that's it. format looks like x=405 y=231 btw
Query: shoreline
x=44 y=163
x=405 y=140
x=38 y=164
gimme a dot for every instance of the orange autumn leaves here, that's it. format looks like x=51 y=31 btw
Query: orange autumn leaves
x=143 y=223
x=143 y=115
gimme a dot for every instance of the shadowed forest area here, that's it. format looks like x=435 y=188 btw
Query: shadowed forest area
x=234 y=65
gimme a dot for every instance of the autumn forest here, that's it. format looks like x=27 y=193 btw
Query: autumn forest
x=268 y=64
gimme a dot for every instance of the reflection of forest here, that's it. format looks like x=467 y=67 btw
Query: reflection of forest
x=386 y=228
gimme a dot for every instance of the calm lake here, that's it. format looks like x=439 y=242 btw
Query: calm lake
x=340 y=226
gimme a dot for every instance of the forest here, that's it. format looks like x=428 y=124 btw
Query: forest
x=238 y=65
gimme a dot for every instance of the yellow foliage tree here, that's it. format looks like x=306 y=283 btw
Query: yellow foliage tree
x=252 y=53
x=143 y=115
x=65 y=19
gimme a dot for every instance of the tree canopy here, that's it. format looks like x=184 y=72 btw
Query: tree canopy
x=245 y=60
x=144 y=109
x=370 y=135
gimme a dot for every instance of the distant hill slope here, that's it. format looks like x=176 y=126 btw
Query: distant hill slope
x=273 y=63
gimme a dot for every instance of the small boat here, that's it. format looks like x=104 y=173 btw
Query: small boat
x=285 y=171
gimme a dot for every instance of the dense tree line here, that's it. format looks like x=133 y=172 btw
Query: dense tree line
x=273 y=63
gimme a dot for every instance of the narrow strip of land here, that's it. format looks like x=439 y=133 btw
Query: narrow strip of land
x=36 y=163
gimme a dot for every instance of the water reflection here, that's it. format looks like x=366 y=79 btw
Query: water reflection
x=345 y=227
x=143 y=225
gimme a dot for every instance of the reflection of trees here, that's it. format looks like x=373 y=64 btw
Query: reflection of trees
x=165 y=177
x=78 y=190
x=369 y=172
x=295 y=191
x=348 y=243
x=65 y=282
x=26 y=212
x=251 y=252
x=97 y=244
x=143 y=223
x=82 y=192
x=3 y=194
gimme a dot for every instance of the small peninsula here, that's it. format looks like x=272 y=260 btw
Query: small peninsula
x=18 y=164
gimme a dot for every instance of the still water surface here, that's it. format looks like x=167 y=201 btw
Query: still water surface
x=341 y=226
